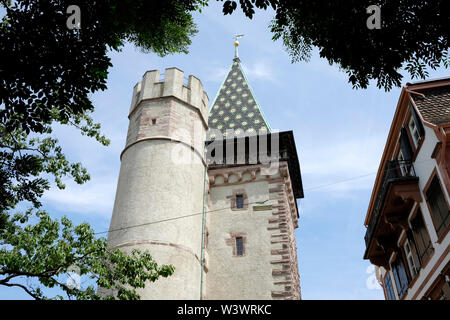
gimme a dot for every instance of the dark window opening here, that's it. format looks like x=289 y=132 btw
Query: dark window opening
x=438 y=206
x=153 y=121
x=239 y=246
x=239 y=201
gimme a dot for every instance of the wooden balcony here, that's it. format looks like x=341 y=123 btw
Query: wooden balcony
x=398 y=191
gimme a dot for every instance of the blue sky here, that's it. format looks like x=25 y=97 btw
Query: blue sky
x=340 y=134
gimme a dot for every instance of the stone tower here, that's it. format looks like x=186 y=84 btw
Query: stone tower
x=252 y=210
x=220 y=208
x=161 y=178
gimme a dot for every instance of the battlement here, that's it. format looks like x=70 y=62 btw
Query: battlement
x=172 y=85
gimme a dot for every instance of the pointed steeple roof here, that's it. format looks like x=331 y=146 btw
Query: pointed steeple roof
x=235 y=106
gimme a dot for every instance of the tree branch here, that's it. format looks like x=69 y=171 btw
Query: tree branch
x=23 y=287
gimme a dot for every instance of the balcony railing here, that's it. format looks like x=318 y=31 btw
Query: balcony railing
x=394 y=171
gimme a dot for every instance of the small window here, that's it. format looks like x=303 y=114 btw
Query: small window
x=414 y=131
x=405 y=166
x=400 y=276
x=410 y=258
x=153 y=121
x=240 y=201
x=402 y=164
x=438 y=206
x=421 y=238
x=389 y=288
x=239 y=246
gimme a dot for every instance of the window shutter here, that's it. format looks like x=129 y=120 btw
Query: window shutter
x=414 y=250
x=421 y=237
x=389 y=288
x=438 y=206
x=400 y=277
x=417 y=120
x=405 y=145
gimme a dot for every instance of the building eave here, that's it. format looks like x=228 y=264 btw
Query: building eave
x=286 y=143
x=402 y=106
x=391 y=141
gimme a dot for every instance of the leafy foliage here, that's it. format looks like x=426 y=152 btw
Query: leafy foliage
x=47 y=74
x=414 y=35
x=46 y=66
x=49 y=250
x=25 y=159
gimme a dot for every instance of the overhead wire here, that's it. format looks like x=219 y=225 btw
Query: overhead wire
x=255 y=202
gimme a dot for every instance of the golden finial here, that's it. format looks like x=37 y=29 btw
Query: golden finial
x=236 y=44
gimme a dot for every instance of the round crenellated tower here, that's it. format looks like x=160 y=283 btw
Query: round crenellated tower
x=161 y=181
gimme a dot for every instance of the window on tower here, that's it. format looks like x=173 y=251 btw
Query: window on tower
x=238 y=198
x=239 y=246
x=240 y=201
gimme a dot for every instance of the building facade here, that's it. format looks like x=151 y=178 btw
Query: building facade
x=408 y=218
x=211 y=191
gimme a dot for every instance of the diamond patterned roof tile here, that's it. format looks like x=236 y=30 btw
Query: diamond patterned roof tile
x=235 y=106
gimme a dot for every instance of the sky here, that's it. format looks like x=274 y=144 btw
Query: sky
x=340 y=133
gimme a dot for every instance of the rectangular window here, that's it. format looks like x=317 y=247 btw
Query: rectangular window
x=389 y=288
x=422 y=242
x=400 y=276
x=239 y=201
x=405 y=166
x=153 y=121
x=413 y=253
x=414 y=131
x=401 y=162
x=409 y=253
x=438 y=206
x=239 y=246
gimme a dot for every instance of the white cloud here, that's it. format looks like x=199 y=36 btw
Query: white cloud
x=92 y=198
x=261 y=70
x=341 y=168
x=215 y=73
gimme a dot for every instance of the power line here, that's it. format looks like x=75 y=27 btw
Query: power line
x=259 y=202
x=174 y=218
x=359 y=177
x=341 y=181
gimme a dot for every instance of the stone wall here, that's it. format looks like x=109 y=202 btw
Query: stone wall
x=268 y=268
x=159 y=188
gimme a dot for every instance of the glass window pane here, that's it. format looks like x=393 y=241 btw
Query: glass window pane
x=389 y=288
x=239 y=246
x=239 y=201
x=400 y=276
